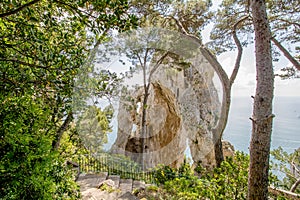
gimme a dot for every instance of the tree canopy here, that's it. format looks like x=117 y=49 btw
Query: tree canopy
x=43 y=45
x=46 y=44
x=235 y=16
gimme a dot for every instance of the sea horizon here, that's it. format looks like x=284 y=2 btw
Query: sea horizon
x=286 y=123
x=285 y=132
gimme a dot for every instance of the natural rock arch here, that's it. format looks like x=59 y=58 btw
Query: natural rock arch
x=183 y=105
x=202 y=116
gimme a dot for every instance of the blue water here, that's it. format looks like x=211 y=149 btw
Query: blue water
x=286 y=124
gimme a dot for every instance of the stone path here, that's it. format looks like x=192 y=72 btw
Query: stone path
x=102 y=186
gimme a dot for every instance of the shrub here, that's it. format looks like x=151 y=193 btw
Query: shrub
x=229 y=181
x=30 y=168
x=164 y=173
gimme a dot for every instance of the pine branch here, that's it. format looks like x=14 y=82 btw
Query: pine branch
x=240 y=50
x=157 y=64
x=286 y=53
x=24 y=63
x=184 y=31
x=61 y=130
x=295 y=185
x=2 y=15
x=279 y=192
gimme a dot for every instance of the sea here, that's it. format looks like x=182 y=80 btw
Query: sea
x=286 y=124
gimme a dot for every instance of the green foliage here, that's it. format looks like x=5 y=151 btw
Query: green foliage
x=288 y=166
x=288 y=73
x=284 y=19
x=282 y=16
x=194 y=15
x=227 y=17
x=63 y=176
x=71 y=145
x=43 y=45
x=153 y=188
x=108 y=188
x=163 y=173
x=229 y=181
x=185 y=169
x=29 y=168
x=113 y=164
x=93 y=126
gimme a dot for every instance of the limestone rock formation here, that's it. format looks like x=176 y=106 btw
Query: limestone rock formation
x=165 y=140
x=183 y=106
x=228 y=149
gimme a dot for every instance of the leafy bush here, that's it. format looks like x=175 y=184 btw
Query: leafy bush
x=30 y=168
x=229 y=181
x=64 y=176
x=288 y=166
x=162 y=174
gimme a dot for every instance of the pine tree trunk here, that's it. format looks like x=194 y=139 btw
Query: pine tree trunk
x=219 y=152
x=262 y=110
x=144 y=124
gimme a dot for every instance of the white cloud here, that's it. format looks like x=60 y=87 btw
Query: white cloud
x=245 y=82
x=244 y=85
x=290 y=87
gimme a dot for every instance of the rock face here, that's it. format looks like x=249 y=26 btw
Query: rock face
x=165 y=139
x=183 y=106
x=228 y=149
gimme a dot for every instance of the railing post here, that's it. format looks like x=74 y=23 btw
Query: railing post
x=79 y=163
x=95 y=163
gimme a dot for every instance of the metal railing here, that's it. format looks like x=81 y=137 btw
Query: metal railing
x=114 y=165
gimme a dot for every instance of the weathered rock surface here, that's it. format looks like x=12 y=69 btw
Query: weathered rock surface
x=128 y=196
x=108 y=183
x=228 y=149
x=183 y=105
x=102 y=186
x=163 y=116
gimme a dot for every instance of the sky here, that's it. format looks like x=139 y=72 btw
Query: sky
x=244 y=84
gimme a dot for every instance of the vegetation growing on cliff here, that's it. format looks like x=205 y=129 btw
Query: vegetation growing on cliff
x=229 y=181
x=43 y=45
